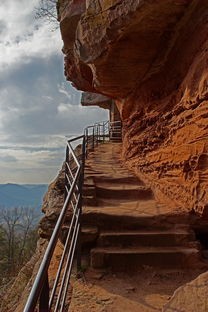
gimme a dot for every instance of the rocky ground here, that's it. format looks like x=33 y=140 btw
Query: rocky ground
x=146 y=291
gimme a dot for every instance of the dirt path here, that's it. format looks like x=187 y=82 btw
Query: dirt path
x=146 y=291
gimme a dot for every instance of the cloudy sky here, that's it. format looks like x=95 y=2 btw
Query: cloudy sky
x=38 y=108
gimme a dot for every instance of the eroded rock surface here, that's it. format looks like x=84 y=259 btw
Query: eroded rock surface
x=91 y=99
x=150 y=56
x=52 y=205
x=191 y=297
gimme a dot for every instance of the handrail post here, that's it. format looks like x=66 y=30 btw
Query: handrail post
x=96 y=135
x=103 y=132
x=86 y=142
x=109 y=127
x=99 y=131
x=44 y=296
x=66 y=170
x=93 y=138
x=80 y=186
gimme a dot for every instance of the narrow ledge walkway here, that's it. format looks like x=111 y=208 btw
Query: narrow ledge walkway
x=117 y=190
x=140 y=251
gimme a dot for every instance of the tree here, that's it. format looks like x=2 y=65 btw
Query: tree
x=26 y=232
x=9 y=223
x=17 y=226
x=47 y=9
x=3 y=258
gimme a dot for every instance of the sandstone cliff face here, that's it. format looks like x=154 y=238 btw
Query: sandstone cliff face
x=190 y=297
x=151 y=56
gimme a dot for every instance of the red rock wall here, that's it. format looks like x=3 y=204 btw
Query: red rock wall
x=151 y=57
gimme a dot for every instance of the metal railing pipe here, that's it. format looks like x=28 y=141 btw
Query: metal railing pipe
x=74 y=176
x=76 y=138
x=39 y=281
x=62 y=261
x=66 y=267
x=73 y=154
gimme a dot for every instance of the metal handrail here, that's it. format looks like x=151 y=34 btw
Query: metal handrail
x=74 y=176
x=41 y=277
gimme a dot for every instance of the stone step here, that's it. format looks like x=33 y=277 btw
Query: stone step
x=89 y=200
x=106 y=168
x=121 y=222
x=88 y=182
x=130 y=259
x=89 y=235
x=116 y=140
x=146 y=238
x=119 y=180
x=89 y=172
x=124 y=191
x=89 y=191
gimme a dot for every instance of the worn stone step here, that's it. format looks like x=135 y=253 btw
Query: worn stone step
x=89 y=200
x=145 y=238
x=115 y=222
x=119 y=180
x=116 y=140
x=106 y=168
x=106 y=221
x=121 y=186
x=89 y=191
x=88 y=182
x=92 y=174
x=128 y=191
x=89 y=235
x=128 y=259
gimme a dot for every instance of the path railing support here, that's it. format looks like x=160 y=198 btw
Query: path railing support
x=45 y=295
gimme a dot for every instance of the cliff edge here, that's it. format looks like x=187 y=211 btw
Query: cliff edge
x=17 y=294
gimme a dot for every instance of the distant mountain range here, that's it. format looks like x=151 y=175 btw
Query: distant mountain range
x=27 y=195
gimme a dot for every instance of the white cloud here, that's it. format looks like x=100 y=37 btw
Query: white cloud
x=63 y=91
x=65 y=108
x=22 y=37
x=38 y=108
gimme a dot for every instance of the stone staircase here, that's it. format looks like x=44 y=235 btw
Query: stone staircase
x=129 y=250
x=130 y=229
